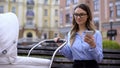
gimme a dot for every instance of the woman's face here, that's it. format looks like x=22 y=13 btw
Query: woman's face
x=80 y=16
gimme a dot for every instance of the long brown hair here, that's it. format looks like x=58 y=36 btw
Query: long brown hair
x=89 y=24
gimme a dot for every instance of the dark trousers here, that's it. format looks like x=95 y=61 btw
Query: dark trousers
x=85 y=64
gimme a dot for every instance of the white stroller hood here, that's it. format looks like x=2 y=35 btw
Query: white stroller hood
x=9 y=30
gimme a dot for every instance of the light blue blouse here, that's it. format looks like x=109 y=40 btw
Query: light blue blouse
x=80 y=50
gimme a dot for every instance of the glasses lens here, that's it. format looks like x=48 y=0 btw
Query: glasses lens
x=80 y=15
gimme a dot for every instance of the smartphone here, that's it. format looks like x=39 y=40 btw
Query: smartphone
x=89 y=32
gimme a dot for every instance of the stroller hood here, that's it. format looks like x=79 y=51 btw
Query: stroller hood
x=9 y=30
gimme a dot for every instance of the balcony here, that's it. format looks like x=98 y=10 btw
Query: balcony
x=30 y=14
x=29 y=25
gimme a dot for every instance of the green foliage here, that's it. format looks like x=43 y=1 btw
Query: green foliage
x=108 y=44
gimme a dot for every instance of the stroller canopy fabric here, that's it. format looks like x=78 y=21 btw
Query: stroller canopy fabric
x=9 y=30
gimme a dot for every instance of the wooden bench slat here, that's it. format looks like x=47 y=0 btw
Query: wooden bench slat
x=111 y=56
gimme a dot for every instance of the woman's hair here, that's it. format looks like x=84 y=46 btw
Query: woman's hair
x=89 y=24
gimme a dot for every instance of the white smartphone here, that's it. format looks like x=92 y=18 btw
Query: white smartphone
x=89 y=32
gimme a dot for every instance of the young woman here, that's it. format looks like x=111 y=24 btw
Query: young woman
x=84 y=49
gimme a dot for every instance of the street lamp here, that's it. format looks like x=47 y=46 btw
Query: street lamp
x=111 y=23
x=112 y=33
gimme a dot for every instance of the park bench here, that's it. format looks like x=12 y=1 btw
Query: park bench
x=111 y=57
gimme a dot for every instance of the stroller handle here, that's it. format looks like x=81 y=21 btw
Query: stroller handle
x=53 y=56
x=50 y=41
x=47 y=41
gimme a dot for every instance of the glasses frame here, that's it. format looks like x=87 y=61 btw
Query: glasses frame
x=81 y=15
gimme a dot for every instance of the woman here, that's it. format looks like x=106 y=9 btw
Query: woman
x=84 y=49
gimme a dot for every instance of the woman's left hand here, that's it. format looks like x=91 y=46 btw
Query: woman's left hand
x=90 y=40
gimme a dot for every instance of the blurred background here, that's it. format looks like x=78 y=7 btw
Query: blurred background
x=46 y=19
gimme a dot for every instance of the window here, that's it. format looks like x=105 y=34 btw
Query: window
x=61 y=18
x=45 y=2
x=13 y=0
x=45 y=24
x=13 y=9
x=111 y=10
x=75 y=1
x=118 y=8
x=56 y=1
x=1 y=9
x=30 y=2
x=56 y=23
x=45 y=12
x=67 y=18
x=30 y=13
x=96 y=5
x=68 y=2
x=56 y=12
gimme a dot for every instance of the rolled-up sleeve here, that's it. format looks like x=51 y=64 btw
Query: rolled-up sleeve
x=66 y=50
x=97 y=52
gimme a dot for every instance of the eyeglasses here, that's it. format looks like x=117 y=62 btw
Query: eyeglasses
x=80 y=15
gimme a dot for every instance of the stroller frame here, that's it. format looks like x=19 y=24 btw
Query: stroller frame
x=49 y=40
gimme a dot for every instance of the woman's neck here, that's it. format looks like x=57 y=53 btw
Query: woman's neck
x=81 y=29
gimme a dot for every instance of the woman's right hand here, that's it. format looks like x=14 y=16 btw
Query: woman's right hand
x=56 y=40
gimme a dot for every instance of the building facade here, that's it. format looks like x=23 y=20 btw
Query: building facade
x=39 y=19
x=43 y=19
x=106 y=16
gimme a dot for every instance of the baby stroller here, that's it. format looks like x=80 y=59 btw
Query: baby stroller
x=9 y=29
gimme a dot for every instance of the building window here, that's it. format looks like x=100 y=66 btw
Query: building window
x=56 y=12
x=111 y=7
x=13 y=0
x=45 y=24
x=75 y=1
x=1 y=9
x=45 y=2
x=118 y=8
x=30 y=2
x=68 y=2
x=61 y=18
x=45 y=12
x=96 y=5
x=56 y=23
x=30 y=13
x=13 y=9
x=67 y=18
x=56 y=2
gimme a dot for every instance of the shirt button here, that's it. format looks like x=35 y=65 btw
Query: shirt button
x=4 y=52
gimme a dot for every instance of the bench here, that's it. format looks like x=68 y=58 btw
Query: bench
x=111 y=57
